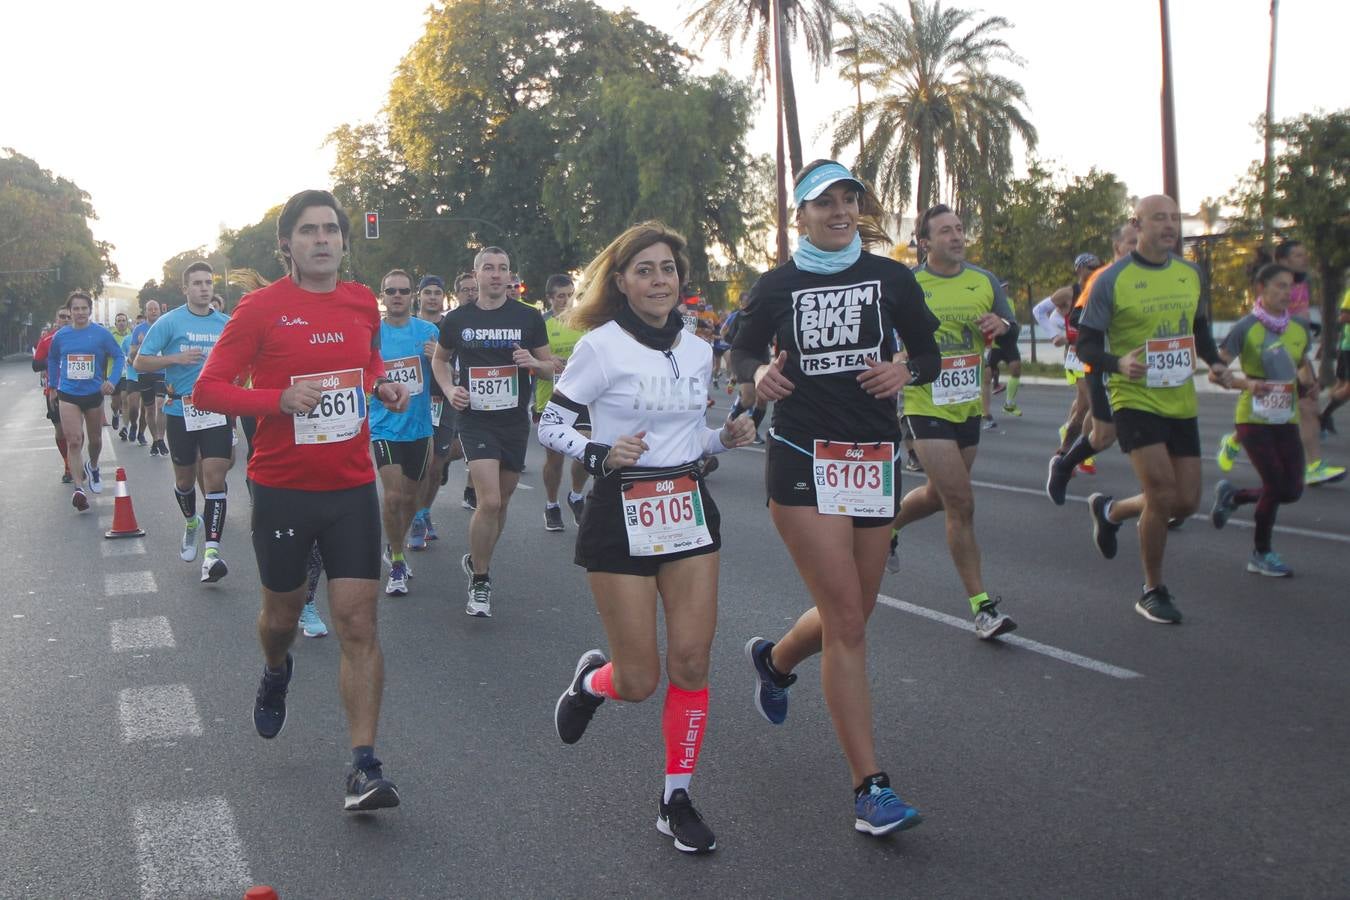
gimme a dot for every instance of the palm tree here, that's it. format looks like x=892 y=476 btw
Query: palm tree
x=733 y=22
x=936 y=105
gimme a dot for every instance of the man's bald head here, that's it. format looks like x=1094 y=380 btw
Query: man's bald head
x=1159 y=222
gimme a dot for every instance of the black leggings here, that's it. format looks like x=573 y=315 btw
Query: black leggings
x=1277 y=453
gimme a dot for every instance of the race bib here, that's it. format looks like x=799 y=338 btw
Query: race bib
x=493 y=387
x=854 y=480
x=80 y=366
x=406 y=371
x=195 y=419
x=1071 y=360
x=1277 y=406
x=1171 y=361
x=340 y=411
x=437 y=407
x=664 y=515
x=959 y=381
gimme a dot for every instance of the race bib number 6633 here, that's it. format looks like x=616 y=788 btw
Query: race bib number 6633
x=340 y=412
x=959 y=380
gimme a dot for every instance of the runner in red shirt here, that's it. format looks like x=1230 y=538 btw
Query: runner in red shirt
x=48 y=390
x=311 y=346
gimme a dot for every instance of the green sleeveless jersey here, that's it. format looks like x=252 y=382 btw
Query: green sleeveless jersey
x=1138 y=304
x=957 y=301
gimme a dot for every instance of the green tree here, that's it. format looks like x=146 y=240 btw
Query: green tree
x=1312 y=201
x=481 y=113
x=674 y=154
x=733 y=22
x=46 y=249
x=255 y=246
x=940 y=117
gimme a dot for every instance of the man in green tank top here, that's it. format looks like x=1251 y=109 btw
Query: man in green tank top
x=1144 y=327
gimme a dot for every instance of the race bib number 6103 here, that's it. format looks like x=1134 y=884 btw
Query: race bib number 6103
x=854 y=480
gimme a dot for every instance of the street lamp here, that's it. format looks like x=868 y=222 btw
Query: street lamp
x=851 y=52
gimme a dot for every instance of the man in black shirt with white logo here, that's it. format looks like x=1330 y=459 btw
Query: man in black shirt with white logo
x=497 y=345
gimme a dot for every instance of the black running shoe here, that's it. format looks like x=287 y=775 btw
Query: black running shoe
x=1157 y=606
x=575 y=707
x=577 y=506
x=553 y=518
x=679 y=820
x=1057 y=481
x=470 y=500
x=269 y=709
x=67 y=478
x=368 y=789
x=1103 y=529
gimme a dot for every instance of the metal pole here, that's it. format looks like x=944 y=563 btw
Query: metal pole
x=776 y=23
x=1169 y=123
x=1268 y=168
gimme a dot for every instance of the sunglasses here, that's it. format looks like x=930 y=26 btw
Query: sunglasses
x=402 y=292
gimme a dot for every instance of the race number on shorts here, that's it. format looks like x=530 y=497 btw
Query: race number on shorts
x=341 y=409
x=407 y=371
x=1171 y=361
x=959 y=381
x=195 y=419
x=854 y=479
x=437 y=407
x=1276 y=406
x=1071 y=360
x=664 y=515
x=493 y=387
x=80 y=366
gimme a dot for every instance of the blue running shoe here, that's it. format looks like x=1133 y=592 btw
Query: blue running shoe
x=431 y=528
x=311 y=625
x=877 y=810
x=771 y=688
x=269 y=709
x=417 y=535
x=1268 y=564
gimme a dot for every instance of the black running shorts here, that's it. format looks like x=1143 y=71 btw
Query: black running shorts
x=123 y=385
x=210 y=443
x=1343 y=364
x=1097 y=396
x=789 y=481
x=504 y=441
x=286 y=523
x=1136 y=429
x=1000 y=354
x=931 y=428
x=152 y=385
x=85 y=402
x=602 y=537
x=410 y=456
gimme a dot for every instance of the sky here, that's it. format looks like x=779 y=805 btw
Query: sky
x=181 y=117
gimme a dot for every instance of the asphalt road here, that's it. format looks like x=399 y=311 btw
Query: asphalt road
x=1097 y=755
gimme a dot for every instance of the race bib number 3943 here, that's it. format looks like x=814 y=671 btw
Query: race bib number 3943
x=854 y=480
x=959 y=380
x=1171 y=361
x=663 y=516
x=340 y=412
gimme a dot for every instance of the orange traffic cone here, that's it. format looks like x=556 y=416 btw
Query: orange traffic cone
x=124 y=515
x=260 y=892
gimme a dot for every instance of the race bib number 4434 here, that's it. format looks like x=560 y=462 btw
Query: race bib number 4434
x=1171 y=361
x=837 y=327
x=854 y=480
x=663 y=516
x=406 y=371
x=340 y=412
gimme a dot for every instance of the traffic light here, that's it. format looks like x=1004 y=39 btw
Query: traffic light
x=372 y=226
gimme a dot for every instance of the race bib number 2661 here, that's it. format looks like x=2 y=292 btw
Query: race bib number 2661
x=340 y=412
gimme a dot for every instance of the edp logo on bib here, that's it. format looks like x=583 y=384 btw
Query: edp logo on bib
x=837 y=328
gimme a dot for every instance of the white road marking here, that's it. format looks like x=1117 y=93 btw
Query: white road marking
x=1072 y=659
x=157 y=713
x=189 y=848
x=1198 y=517
x=118 y=583
x=150 y=633
x=122 y=547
